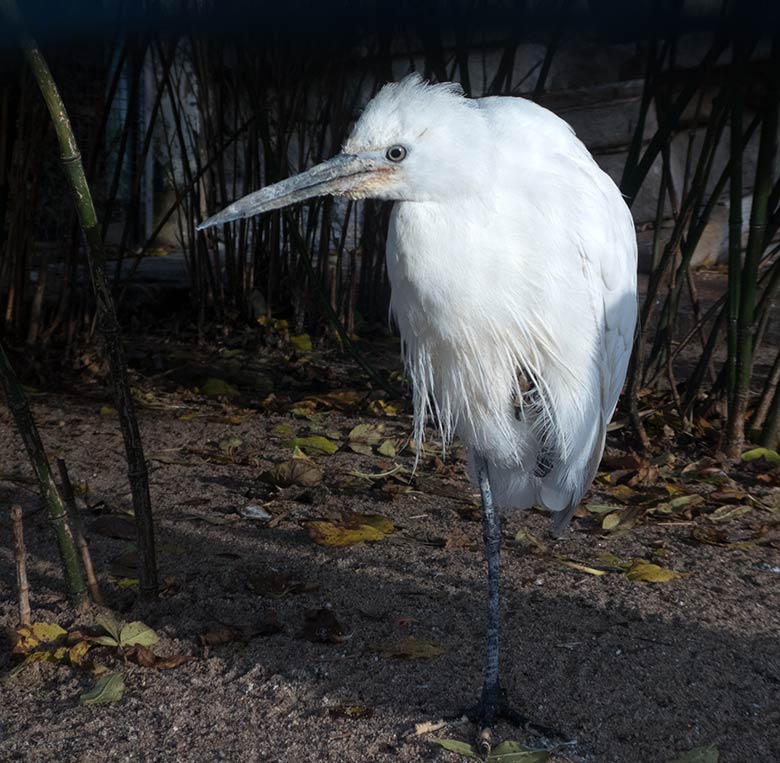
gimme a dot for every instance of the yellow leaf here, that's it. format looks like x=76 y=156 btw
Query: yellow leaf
x=385 y=408
x=78 y=652
x=313 y=442
x=387 y=448
x=137 y=633
x=352 y=529
x=46 y=632
x=610 y=521
x=623 y=493
x=28 y=637
x=107 y=410
x=301 y=342
x=651 y=573
x=367 y=433
x=409 y=649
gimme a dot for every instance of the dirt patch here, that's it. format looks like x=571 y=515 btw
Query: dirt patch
x=625 y=670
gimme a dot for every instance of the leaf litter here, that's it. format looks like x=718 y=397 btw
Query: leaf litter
x=352 y=528
x=505 y=752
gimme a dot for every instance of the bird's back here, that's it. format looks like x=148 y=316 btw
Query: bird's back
x=517 y=304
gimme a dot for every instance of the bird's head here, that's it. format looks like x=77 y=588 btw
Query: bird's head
x=413 y=142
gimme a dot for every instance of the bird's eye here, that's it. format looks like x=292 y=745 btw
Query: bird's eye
x=396 y=153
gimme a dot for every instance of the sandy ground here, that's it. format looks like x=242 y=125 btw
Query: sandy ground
x=626 y=671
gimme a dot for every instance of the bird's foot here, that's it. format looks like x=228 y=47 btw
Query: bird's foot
x=493 y=706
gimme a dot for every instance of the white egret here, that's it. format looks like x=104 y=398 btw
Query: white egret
x=512 y=261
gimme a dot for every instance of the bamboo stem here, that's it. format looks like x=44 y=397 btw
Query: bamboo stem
x=759 y=211
x=20 y=556
x=735 y=233
x=20 y=410
x=106 y=312
x=78 y=530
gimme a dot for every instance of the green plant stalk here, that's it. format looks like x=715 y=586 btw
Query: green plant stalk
x=735 y=242
x=759 y=213
x=106 y=313
x=55 y=507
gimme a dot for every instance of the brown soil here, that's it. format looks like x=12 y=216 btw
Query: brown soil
x=628 y=672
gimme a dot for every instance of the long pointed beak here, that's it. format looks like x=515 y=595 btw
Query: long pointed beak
x=342 y=175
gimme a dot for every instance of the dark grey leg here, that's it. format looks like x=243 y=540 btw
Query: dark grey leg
x=493 y=703
x=491 y=534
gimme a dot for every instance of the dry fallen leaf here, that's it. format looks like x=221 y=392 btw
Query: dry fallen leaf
x=386 y=408
x=647 y=572
x=368 y=433
x=145 y=657
x=297 y=471
x=352 y=712
x=728 y=513
x=530 y=541
x=315 y=442
x=506 y=752
x=45 y=642
x=581 y=567
x=27 y=638
x=221 y=633
x=410 y=648
x=610 y=521
x=387 y=449
x=456 y=539
x=351 y=529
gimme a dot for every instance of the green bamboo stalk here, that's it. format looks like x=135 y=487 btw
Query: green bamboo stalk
x=735 y=241
x=55 y=507
x=106 y=312
x=759 y=213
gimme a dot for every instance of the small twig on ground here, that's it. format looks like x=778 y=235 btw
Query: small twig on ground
x=78 y=531
x=20 y=555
